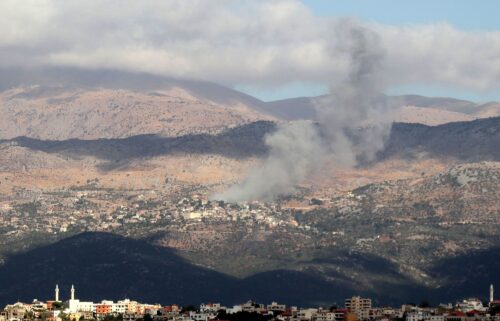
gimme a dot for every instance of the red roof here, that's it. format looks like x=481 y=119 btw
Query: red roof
x=472 y=312
x=457 y=313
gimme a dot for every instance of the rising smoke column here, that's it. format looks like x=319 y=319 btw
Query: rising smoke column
x=354 y=119
x=353 y=123
x=294 y=150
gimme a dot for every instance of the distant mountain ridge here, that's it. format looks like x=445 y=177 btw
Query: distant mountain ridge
x=408 y=108
x=61 y=104
x=66 y=113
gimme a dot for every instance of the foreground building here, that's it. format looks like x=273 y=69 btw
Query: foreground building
x=356 y=309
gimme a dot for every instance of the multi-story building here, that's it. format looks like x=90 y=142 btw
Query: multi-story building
x=360 y=306
x=340 y=314
x=306 y=314
x=210 y=307
x=120 y=307
x=16 y=311
x=151 y=309
x=437 y=317
x=201 y=316
x=471 y=304
x=324 y=316
x=417 y=316
x=103 y=308
x=358 y=303
x=3 y=316
x=275 y=306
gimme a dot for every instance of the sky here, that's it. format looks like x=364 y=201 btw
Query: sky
x=463 y=14
x=467 y=15
x=271 y=49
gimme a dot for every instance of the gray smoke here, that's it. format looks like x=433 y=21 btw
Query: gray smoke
x=294 y=150
x=353 y=123
x=355 y=118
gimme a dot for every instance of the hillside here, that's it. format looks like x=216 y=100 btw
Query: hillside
x=473 y=140
x=216 y=160
x=122 y=267
x=59 y=113
x=399 y=235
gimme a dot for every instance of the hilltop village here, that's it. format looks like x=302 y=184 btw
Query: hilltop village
x=355 y=309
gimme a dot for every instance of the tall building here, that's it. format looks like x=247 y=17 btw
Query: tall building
x=359 y=306
x=357 y=303
x=492 y=294
x=56 y=299
x=72 y=292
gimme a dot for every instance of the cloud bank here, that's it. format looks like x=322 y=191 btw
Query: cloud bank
x=267 y=43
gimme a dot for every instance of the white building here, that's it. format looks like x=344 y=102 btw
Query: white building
x=439 y=317
x=120 y=306
x=274 y=306
x=210 y=307
x=471 y=304
x=75 y=305
x=417 y=316
x=201 y=316
x=324 y=316
x=306 y=314
x=234 y=309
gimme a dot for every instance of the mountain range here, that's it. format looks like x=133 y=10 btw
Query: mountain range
x=118 y=105
x=105 y=179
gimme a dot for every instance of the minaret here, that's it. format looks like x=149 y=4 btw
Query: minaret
x=72 y=292
x=492 y=298
x=57 y=293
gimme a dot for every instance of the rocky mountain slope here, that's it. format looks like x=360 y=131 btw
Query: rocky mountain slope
x=471 y=141
x=474 y=140
x=59 y=113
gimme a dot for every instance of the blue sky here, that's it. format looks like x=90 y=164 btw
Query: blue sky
x=467 y=15
x=463 y=14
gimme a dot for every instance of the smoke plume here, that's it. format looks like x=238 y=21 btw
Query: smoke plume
x=352 y=124
x=294 y=150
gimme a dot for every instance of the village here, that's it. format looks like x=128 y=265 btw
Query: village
x=355 y=309
x=108 y=210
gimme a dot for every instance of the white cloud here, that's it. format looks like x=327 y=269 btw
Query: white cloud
x=233 y=42
x=444 y=55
